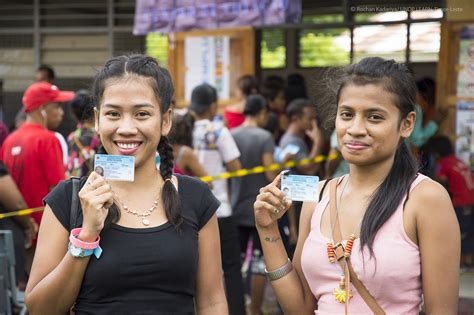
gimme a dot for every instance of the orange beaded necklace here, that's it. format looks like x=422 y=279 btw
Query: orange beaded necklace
x=341 y=294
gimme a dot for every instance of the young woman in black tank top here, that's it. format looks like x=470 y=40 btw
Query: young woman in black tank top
x=158 y=234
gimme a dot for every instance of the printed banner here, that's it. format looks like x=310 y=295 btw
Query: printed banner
x=465 y=86
x=167 y=16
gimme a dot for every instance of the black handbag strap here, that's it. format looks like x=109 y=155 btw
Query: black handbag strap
x=75 y=219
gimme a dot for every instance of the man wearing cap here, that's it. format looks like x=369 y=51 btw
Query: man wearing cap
x=218 y=153
x=32 y=153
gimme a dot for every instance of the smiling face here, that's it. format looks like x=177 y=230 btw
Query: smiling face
x=368 y=124
x=129 y=121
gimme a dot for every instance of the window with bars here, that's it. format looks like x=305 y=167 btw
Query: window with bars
x=272 y=49
x=327 y=47
x=127 y=43
x=386 y=41
x=425 y=39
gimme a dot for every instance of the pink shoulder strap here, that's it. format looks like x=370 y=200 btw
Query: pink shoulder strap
x=419 y=178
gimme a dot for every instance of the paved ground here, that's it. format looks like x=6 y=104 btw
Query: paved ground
x=466 y=293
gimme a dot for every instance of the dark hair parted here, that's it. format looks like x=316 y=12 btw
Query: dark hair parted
x=160 y=80
x=397 y=80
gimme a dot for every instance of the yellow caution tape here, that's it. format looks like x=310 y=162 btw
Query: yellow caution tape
x=271 y=167
x=226 y=175
x=20 y=212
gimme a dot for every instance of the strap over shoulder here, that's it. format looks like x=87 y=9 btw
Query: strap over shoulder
x=345 y=262
x=75 y=219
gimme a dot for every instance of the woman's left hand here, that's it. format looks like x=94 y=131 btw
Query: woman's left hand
x=271 y=205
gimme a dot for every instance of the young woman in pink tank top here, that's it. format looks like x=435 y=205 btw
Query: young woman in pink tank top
x=400 y=225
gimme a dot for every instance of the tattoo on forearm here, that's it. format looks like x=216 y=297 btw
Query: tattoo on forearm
x=272 y=239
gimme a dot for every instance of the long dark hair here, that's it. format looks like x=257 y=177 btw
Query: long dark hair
x=160 y=81
x=396 y=79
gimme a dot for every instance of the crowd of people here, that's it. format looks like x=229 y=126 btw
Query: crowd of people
x=214 y=247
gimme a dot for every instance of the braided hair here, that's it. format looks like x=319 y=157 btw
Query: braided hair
x=162 y=85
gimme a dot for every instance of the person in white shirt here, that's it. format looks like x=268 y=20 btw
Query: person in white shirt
x=217 y=152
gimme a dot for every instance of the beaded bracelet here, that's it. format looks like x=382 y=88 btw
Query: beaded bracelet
x=280 y=272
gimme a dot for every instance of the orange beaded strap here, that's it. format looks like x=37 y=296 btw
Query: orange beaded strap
x=331 y=253
x=343 y=258
x=348 y=249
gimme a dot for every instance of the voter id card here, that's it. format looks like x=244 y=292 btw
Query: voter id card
x=291 y=149
x=115 y=167
x=300 y=187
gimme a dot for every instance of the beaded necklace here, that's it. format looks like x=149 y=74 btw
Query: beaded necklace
x=340 y=293
x=141 y=215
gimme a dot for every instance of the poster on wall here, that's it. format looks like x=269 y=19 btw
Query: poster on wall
x=167 y=16
x=465 y=132
x=465 y=86
x=207 y=60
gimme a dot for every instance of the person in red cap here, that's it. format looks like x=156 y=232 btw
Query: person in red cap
x=32 y=153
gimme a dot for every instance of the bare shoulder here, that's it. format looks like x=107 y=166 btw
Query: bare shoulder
x=429 y=199
x=431 y=191
x=187 y=151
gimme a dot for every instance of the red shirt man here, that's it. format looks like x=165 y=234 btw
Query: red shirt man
x=460 y=180
x=33 y=154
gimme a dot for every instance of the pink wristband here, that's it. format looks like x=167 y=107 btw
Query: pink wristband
x=78 y=243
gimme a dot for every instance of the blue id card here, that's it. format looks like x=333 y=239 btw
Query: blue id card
x=280 y=154
x=291 y=149
x=115 y=167
x=300 y=187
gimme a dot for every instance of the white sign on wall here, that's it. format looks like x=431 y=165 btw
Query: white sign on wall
x=207 y=61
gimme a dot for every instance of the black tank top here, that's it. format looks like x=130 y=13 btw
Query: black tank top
x=147 y=270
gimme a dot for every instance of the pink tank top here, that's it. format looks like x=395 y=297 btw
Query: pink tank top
x=395 y=284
